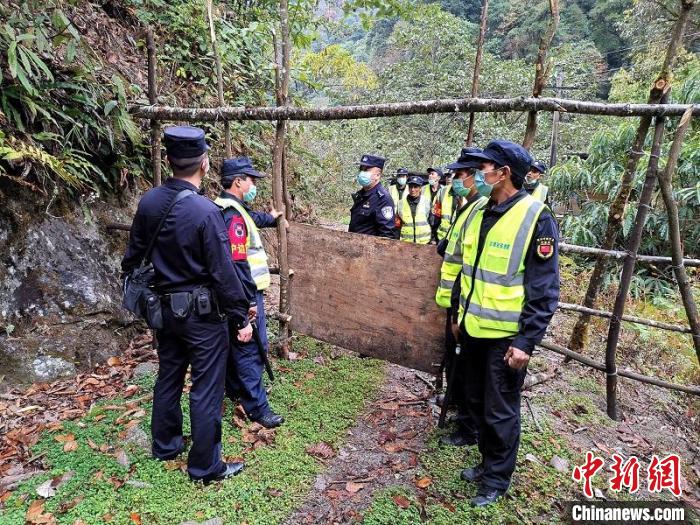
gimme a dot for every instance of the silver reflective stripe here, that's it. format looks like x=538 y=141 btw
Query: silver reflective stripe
x=493 y=277
x=493 y=315
x=455 y=258
x=446 y=283
x=418 y=224
x=516 y=253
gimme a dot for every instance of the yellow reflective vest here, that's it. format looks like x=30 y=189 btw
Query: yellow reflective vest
x=446 y=198
x=256 y=256
x=397 y=196
x=540 y=192
x=452 y=261
x=494 y=289
x=415 y=229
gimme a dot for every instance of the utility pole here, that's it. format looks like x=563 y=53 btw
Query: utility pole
x=555 y=124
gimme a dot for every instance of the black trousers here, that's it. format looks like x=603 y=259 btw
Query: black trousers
x=202 y=343
x=492 y=389
x=465 y=422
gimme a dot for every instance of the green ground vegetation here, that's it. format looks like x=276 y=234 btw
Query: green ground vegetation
x=320 y=401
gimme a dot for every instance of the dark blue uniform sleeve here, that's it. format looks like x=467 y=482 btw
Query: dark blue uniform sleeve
x=541 y=283
x=263 y=219
x=138 y=240
x=384 y=209
x=226 y=284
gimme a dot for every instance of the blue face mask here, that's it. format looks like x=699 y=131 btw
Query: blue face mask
x=250 y=194
x=483 y=187
x=363 y=178
x=459 y=189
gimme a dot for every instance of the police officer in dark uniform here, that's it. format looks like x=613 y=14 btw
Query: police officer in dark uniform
x=505 y=298
x=372 y=212
x=244 y=379
x=199 y=287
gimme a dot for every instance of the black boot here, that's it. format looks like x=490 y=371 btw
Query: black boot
x=486 y=496
x=269 y=419
x=232 y=469
x=473 y=474
x=458 y=439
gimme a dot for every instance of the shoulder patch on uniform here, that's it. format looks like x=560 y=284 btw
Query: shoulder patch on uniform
x=545 y=247
x=388 y=212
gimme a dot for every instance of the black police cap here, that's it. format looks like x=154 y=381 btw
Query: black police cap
x=239 y=166
x=184 y=142
x=372 y=161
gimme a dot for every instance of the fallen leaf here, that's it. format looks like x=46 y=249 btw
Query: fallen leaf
x=402 y=501
x=70 y=446
x=309 y=375
x=131 y=390
x=424 y=482
x=93 y=445
x=320 y=450
x=114 y=361
x=135 y=518
x=107 y=517
x=393 y=448
x=353 y=487
x=64 y=438
x=389 y=406
x=67 y=505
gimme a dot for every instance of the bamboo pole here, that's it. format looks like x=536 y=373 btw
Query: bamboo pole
x=568 y=307
x=633 y=244
x=477 y=68
x=616 y=254
x=541 y=71
x=419 y=107
x=575 y=356
x=153 y=100
x=554 y=140
x=219 y=78
x=282 y=53
x=665 y=182
x=661 y=86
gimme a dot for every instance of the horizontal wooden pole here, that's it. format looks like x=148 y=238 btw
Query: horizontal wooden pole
x=629 y=318
x=421 y=107
x=616 y=254
x=567 y=248
x=622 y=373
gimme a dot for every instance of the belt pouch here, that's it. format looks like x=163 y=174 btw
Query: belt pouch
x=180 y=303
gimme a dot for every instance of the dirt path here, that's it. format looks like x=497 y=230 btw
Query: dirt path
x=381 y=451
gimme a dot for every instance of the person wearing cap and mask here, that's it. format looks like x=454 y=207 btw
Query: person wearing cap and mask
x=372 y=212
x=399 y=188
x=199 y=288
x=414 y=212
x=244 y=376
x=432 y=191
x=446 y=204
x=533 y=184
x=505 y=298
x=450 y=247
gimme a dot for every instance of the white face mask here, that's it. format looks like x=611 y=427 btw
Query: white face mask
x=434 y=182
x=401 y=181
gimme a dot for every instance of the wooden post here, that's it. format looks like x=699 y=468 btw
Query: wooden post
x=579 y=334
x=219 y=78
x=555 y=125
x=477 y=68
x=674 y=232
x=282 y=52
x=633 y=243
x=541 y=71
x=153 y=100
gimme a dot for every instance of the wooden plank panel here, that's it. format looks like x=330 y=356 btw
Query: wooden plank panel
x=371 y=295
